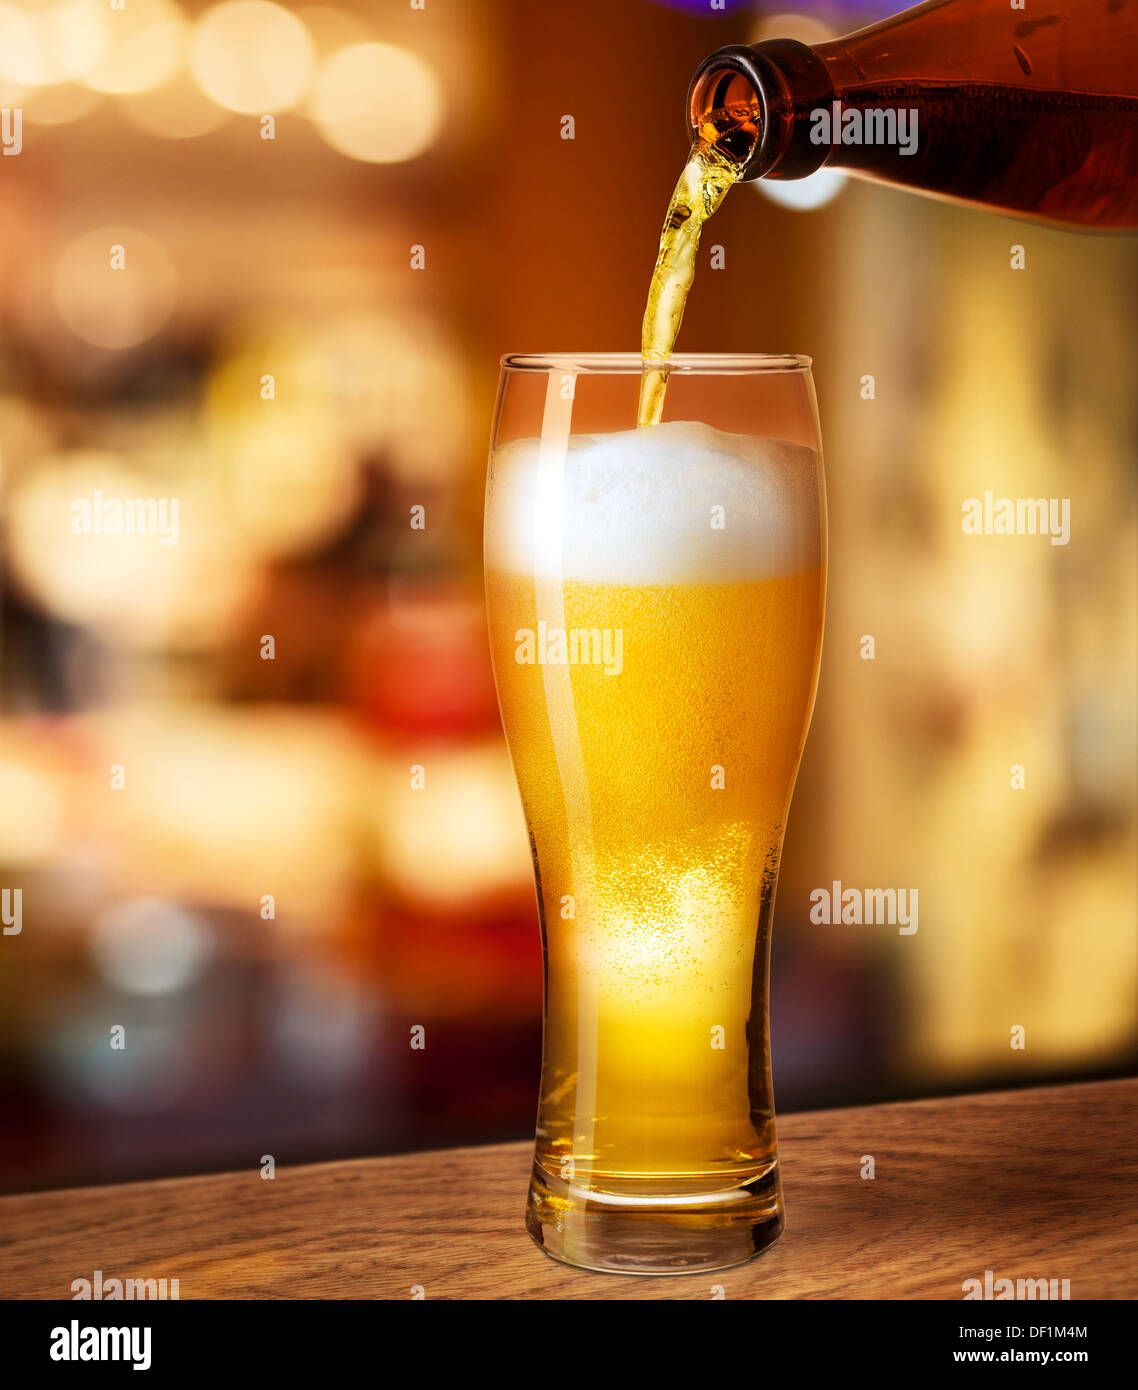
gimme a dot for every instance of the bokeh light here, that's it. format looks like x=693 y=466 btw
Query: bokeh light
x=252 y=56
x=227 y=805
x=803 y=195
x=818 y=189
x=115 y=308
x=150 y=946
x=148 y=1077
x=147 y=40
x=30 y=812
x=147 y=594
x=289 y=448
x=377 y=103
x=387 y=371
x=42 y=43
x=468 y=817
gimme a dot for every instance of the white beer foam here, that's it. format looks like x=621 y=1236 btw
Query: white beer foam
x=636 y=507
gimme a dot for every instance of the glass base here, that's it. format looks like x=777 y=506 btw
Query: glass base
x=654 y=1234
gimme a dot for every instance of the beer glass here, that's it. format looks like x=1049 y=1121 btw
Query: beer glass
x=655 y=602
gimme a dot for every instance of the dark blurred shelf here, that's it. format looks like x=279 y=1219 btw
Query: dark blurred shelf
x=1029 y=1184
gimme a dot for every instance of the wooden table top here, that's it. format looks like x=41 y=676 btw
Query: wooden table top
x=1029 y=1184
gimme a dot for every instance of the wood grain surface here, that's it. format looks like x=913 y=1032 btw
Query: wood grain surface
x=1030 y=1184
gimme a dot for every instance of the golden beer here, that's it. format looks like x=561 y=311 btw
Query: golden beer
x=705 y=181
x=656 y=673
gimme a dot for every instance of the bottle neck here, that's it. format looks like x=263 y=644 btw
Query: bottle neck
x=957 y=99
x=754 y=105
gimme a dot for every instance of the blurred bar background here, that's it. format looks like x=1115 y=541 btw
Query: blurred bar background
x=207 y=794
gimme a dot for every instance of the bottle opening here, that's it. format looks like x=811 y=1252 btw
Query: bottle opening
x=726 y=112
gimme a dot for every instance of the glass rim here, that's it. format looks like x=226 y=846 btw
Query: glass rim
x=696 y=363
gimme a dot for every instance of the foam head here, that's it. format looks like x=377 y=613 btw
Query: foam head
x=642 y=507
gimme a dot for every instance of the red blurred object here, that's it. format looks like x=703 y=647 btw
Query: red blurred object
x=421 y=664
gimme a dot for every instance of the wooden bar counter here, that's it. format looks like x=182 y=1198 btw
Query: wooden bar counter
x=1038 y=1183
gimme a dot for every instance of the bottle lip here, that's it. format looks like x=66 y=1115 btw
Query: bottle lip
x=788 y=79
x=741 y=59
x=680 y=363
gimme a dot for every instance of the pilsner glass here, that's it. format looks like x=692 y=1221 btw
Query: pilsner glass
x=655 y=602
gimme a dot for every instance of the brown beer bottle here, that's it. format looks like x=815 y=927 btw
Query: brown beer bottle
x=1029 y=110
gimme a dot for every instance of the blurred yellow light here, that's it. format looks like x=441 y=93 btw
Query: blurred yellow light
x=288 y=449
x=461 y=836
x=30 y=814
x=143 y=592
x=294 y=459
x=377 y=103
x=147 y=40
x=177 y=110
x=115 y=308
x=400 y=387
x=252 y=56
x=59 y=104
x=224 y=805
x=43 y=43
x=803 y=195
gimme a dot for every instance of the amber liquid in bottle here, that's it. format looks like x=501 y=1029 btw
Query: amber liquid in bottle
x=1032 y=112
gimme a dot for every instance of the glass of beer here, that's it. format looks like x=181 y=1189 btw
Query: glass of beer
x=655 y=602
